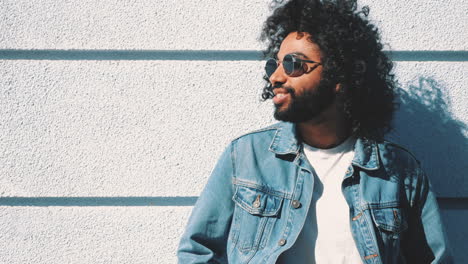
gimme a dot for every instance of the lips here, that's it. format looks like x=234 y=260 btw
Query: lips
x=281 y=95
x=280 y=90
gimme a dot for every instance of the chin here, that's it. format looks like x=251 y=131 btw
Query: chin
x=284 y=115
x=288 y=115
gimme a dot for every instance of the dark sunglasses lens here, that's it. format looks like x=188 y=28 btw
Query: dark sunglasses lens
x=288 y=64
x=270 y=67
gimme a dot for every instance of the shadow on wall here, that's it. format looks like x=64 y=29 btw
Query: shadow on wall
x=424 y=124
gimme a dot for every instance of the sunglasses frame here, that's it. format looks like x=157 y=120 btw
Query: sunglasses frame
x=292 y=61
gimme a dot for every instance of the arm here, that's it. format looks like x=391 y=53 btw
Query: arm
x=206 y=234
x=426 y=238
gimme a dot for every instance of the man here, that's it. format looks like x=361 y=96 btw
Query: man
x=322 y=186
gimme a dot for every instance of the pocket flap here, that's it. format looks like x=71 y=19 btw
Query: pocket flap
x=257 y=202
x=389 y=219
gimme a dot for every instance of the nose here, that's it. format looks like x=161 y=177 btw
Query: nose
x=278 y=76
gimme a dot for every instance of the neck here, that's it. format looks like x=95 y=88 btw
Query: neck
x=327 y=130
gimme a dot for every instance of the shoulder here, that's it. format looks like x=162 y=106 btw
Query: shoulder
x=259 y=135
x=387 y=147
x=395 y=155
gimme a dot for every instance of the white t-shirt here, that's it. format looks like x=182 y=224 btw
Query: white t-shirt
x=326 y=236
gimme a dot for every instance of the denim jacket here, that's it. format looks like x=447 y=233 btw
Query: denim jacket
x=249 y=213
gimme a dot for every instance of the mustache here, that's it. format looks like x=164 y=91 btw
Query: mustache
x=280 y=85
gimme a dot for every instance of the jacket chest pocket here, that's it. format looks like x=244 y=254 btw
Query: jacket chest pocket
x=390 y=220
x=390 y=225
x=254 y=216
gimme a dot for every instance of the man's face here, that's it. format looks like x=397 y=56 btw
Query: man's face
x=301 y=98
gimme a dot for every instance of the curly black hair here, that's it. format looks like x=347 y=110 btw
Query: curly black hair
x=351 y=53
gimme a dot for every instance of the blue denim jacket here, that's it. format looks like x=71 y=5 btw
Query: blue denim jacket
x=248 y=211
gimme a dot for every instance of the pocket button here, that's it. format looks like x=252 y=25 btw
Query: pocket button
x=296 y=204
x=282 y=242
x=256 y=203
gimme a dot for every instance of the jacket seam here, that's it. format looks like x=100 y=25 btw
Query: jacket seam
x=233 y=159
x=383 y=205
x=273 y=127
x=402 y=148
x=261 y=188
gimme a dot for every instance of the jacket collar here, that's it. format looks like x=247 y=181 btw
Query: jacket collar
x=286 y=141
x=366 y=154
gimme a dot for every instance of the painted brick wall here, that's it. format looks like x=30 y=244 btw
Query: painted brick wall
x=113 y=113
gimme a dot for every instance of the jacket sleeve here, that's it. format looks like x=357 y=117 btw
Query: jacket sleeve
x=426 y=238
x=206 y=234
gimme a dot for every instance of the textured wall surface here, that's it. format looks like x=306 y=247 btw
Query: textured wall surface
x=113 y=113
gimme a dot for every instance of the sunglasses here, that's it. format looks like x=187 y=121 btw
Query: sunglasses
x=293 y=66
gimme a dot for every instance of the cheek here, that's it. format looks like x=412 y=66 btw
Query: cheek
x=305 y=82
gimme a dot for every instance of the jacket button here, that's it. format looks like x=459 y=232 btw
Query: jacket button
x=256 y=203
x=296 y=204
x=282 y=242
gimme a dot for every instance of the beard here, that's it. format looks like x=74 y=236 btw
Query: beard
x=303 y=107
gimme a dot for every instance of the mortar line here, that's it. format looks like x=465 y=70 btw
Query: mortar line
x=99 y=201
x=199 y=55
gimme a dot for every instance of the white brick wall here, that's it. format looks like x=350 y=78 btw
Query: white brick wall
x=76 y=127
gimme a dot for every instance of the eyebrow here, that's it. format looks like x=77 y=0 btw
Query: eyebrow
x=300 y=54
x=293 y=53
